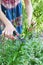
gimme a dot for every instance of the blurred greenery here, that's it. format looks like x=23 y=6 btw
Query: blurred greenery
x=30 y=52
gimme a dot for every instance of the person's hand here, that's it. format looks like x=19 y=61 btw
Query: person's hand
x=32 y=26
x=8 y=32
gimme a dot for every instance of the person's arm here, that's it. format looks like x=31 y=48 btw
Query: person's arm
x=29 y=10
x=4 y=19
x=8 y=31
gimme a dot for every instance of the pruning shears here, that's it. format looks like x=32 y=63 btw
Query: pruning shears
x=18 y=36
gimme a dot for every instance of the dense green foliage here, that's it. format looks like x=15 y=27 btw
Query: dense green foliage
x=38 y=12
x=31 y=52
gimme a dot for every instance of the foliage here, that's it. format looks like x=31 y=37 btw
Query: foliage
x=31 y=52
x=13 y=53
x=38 y=13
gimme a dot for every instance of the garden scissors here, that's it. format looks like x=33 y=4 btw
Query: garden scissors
x=18 y=36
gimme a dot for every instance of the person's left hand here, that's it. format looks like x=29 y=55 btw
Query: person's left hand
x=32 y=26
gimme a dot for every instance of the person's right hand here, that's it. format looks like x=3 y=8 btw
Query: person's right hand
x=8 y=32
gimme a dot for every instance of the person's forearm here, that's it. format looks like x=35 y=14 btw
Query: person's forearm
x=29 y=10
x=4 y=19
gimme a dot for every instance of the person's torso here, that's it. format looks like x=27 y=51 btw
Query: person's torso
x=10 y=3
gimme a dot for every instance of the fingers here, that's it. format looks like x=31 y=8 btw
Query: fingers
x=8 y=35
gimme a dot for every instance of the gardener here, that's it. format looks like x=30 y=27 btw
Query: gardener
x=13 y=11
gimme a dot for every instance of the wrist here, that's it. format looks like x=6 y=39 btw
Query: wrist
x=8 y=24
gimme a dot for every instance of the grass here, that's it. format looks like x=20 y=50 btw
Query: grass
x=28 y=53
